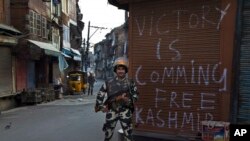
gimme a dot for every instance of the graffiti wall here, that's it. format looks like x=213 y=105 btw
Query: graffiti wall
x=176 y=53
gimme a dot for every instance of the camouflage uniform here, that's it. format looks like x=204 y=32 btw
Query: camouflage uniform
x=119 y=110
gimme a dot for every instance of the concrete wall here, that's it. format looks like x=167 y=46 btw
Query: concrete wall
x=7 y=103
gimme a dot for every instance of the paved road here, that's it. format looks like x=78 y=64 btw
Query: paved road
x=69 y=119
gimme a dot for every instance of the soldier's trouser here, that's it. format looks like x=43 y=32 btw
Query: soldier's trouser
x=125 y=118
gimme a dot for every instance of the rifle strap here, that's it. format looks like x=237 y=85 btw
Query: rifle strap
x=130 y=92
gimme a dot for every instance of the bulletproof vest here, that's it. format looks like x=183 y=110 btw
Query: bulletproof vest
x=114 y=86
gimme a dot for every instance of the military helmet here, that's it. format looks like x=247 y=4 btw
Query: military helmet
x=121 y=61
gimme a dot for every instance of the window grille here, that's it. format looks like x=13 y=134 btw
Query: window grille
x=44 y=28
x=38 y=25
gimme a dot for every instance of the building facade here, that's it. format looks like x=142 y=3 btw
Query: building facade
x=113 y=46
x=37 y=56
x=8 y=41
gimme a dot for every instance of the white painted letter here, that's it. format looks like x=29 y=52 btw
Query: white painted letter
x=161 y=120
x=138 y=118
x=178 y=55
x=137 y=74
x=223 y=13
x=150 y=117
x=157 y=97
x=169 y=73
x=206 y=102
x=138 y=26
x=158 y=23
x=223 y=77
x=172 y=100
x=170 y=119
x=186 y=99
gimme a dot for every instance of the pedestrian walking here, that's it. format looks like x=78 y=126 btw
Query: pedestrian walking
x=91 y=81
x=121 y=94
x=58 y=87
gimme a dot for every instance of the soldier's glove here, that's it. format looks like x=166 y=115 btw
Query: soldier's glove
x=104 y=109
x=97 y=109
x=122 y=97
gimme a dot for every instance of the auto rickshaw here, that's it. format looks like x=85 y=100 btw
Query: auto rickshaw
x=77 y=82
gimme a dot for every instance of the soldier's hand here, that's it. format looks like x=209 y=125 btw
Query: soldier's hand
x=118 y=98
x=97 y=109
x=105 y=109
x=124 y=97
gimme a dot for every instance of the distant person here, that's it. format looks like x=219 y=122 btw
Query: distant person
x=58 y=87
x=121 y=94
x=91 y=81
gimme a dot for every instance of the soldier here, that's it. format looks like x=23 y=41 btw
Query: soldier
x=91 y=81
x=121 y=95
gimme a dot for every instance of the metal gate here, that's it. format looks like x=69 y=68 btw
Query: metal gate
x=176 y=57
x=31 y=75
x=21 y=74
x=243 y=115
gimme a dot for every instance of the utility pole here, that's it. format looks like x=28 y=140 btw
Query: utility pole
x=88 y=38
x=87 y=49
x=83 y=52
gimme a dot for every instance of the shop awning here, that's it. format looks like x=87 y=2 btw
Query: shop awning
x=72 y=53
x=65 y=55
x=75 y=51
x=48 y=47
x=66 y=51
x=77 y=58
x=6 y=40
x=7 y=28
x=76 y=54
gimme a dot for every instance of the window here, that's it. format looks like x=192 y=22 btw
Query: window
x=38 y=25
x=66 y=33
x=44 y=28
x=56 y=10
x=55 y=36
x=31 y=22
x=65 y=6
x=35 y=23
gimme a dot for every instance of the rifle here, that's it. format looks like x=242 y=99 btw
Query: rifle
x=114 y=98
x=130 y=87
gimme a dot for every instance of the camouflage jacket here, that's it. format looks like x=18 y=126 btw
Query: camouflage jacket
x=113 y=85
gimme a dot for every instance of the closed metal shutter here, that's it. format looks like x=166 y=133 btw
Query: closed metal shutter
x=31 y=75
x=56 y=71
x=21 y=74
x=174 y=55
x=5 y=72
x=244 y=72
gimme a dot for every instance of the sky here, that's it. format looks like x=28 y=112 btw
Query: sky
x=101 y=14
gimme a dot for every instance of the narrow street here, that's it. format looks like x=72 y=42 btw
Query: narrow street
x=188 y=64
x=69 y=119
